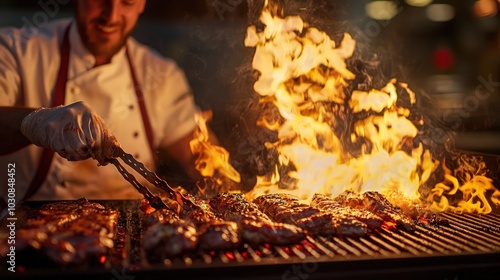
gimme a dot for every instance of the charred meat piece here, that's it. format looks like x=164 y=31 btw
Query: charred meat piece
x=170 y=239
x=326 y=204
x=219 y=235
x=70 y=232
x=274 y=233
x=214 y=233
x=418 y=212
x=255 y=226
x=318 y=224
x=378 y=205
x=284 y=208
x=201 y=214
x=159 y=216
x=288 y=209
x=211 y=232
x=234 y=207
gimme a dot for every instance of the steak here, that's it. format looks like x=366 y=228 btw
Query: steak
x=256 y=227
x=377 y=204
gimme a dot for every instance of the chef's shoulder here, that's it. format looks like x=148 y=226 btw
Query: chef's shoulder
x=32 y=41
x=152 y=66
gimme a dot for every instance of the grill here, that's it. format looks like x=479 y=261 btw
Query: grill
x=468 y=248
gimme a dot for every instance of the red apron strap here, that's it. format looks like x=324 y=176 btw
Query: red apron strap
x=58 y=99
x=59 y=95
x=142 y=105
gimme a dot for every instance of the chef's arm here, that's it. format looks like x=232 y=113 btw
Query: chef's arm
x=10 y=129
x=74 y=131
x=181 y=152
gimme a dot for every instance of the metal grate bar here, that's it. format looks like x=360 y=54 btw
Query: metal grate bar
x=472 y=226
x=361 y=247
x=332 y=246
x=311 y=251
x=432 y=246
x=408 y=242
x=456 y=234
x=480 y=221
x=298 y=252
x=319 y=246
x=386 y=245
x=187 y=261
x=206 y=258
x=438 y=235
x=256 y=258
x=347 y=247
x=238 y=257
x=282 y=252
x=447 y=247
x=389 y=237
x=374 y=247
x=493 y=217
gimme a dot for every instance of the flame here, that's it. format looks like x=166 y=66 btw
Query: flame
x=303 y=73
x=212 y=161
x=470 y=197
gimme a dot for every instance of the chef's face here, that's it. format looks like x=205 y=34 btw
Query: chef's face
x=104 y=25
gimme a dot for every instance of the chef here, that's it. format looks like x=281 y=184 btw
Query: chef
x=74 y=90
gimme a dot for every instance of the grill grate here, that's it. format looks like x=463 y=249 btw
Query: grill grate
x=468 y=242
x=466 y=234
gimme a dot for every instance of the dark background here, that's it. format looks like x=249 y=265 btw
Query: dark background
x=447 y=60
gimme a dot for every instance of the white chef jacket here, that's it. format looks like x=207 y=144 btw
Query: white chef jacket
x=29 y=64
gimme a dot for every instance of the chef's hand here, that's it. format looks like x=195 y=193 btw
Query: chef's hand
x=74 y=131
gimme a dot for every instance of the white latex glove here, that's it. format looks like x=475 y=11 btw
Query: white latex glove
x=74 y=131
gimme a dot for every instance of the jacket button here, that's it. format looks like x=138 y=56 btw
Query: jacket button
x=136 y=134
x=74 y=90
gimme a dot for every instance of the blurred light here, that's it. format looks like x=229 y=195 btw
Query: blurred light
x=440 y=12
x=443 y=58
x=485 y=8
x=418 y=3
x=381 y=9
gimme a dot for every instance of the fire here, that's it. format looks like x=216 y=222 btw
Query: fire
x=303 y=73
x=212 y=160
x=469 y=197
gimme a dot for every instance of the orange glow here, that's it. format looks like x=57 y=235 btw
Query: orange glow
x=304 y=74
x=212 y=161
x=470 y=197
x=102 y=259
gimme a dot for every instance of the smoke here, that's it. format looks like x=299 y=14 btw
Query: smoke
x=373 y=68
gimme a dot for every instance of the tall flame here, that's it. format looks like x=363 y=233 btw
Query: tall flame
x=303 y=73
x=212 y=160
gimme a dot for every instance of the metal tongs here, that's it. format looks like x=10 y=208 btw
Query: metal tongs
x=176 y=201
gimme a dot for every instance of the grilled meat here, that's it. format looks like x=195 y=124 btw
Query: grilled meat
x=255 y=226
x=326 y=204
x=219 y=235
x=234 y=207
x=288 y=209
x=69 y=232
x=284 y=208
x=417 y=212
x=170 y=238
x=378 y=205
x=159 y=216
x=211 y=232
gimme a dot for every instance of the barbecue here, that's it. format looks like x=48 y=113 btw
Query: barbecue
x=87 y=229
x=377 y=204
x=71 y=232
x=287 y=209
x=354 y=190
x=256 y=227
x=139 y=243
